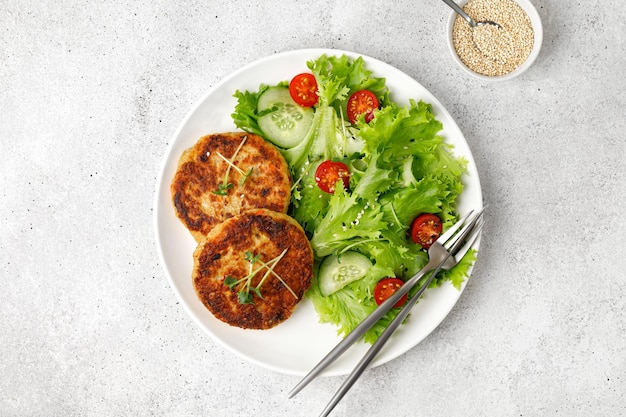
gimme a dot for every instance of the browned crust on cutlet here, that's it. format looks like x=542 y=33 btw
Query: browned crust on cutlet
x=201 y=171
x=221 y=253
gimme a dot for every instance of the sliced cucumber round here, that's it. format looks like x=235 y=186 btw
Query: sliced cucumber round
x=273 y=95
x=337 y=272
x=289 y=123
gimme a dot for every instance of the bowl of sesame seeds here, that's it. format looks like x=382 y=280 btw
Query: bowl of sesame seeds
x=495 y=52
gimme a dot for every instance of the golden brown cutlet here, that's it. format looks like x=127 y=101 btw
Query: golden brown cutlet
x=225 y=174
x=225 y=254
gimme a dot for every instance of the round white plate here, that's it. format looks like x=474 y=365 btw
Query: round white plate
x=296 y=345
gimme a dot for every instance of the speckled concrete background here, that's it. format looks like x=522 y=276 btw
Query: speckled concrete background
x=91 y=93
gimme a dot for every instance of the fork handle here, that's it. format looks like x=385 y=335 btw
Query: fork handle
x=359 y=330
x=377 y=346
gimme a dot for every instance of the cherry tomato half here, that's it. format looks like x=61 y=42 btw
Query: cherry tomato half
x=385 y=289
x=303 y=89
x=328 y=173
x=362 y=102
x=425 y=229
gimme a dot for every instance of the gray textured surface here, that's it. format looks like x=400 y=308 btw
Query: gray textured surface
x=90 y=95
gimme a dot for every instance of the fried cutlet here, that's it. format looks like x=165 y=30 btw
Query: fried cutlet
x=252 y=242
x=225 y=174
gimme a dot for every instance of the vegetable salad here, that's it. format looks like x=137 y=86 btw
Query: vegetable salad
x=364 y=168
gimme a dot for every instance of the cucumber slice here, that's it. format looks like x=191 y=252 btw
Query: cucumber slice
x=272 y=96
x=337 y=272
x=289 y=123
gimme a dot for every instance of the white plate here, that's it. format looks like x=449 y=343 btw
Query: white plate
x=297 y=344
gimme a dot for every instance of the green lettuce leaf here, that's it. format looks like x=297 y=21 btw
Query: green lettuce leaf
x=340 y=77
x=347 y=223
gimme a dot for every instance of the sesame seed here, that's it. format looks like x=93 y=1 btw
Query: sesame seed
x=489 y=49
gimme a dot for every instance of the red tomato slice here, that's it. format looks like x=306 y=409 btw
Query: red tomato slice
x=385 y=289
x=303 y=89
x=328 y=173
x=426 y=228
x=362 y=102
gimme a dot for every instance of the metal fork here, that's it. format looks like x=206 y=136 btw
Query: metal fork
x=445 y=253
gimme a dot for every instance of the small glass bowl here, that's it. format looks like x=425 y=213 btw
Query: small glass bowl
x=535 y=21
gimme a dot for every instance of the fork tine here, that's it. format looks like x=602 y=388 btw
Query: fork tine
x=469 y=242
x=453 y=242
x=452 y=230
